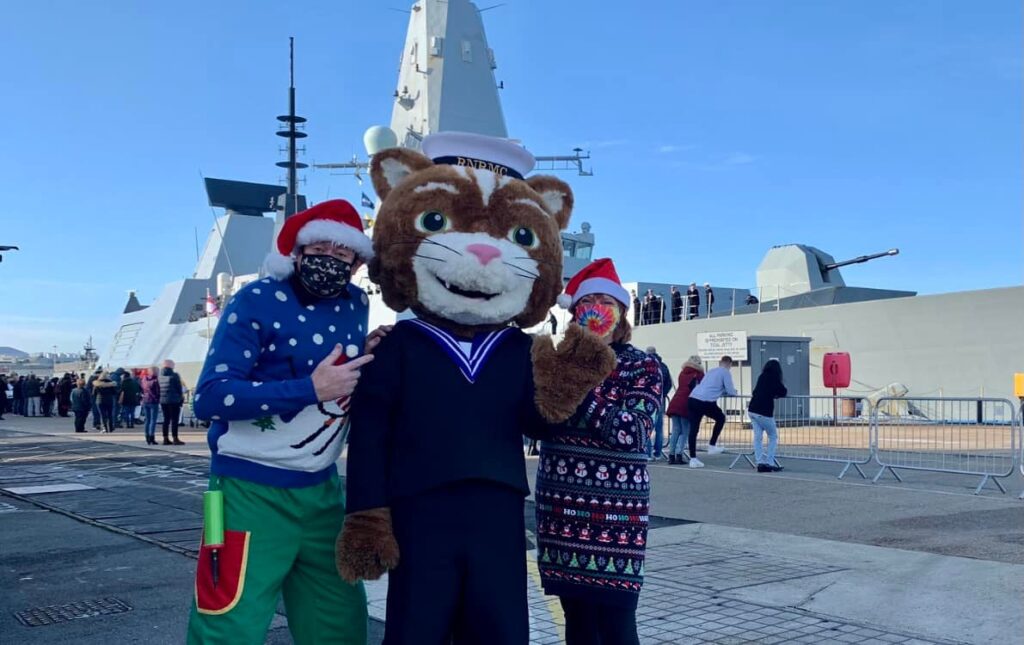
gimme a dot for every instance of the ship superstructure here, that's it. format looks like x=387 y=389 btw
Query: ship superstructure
x=956 y=344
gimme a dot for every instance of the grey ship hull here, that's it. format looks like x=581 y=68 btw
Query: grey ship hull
x=962 y=344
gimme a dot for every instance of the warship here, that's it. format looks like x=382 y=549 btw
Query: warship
x=955 y=344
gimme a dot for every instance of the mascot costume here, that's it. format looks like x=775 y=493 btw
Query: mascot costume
x=436 y=472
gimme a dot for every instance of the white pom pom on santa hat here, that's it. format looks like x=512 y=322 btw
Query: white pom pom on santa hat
x=597 y=277
x=334 y=221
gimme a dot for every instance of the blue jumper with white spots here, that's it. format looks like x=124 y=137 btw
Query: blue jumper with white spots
x=256 y=386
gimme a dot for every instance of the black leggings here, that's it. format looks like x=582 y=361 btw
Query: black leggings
x=171 y=413
x=590 y=623
x=697 y=410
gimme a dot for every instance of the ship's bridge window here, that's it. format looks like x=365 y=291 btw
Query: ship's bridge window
x=576 y=249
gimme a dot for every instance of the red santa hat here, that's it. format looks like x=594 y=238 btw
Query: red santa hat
x=597 y=277
x=334 y=221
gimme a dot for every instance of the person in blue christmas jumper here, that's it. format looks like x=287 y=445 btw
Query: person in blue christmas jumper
x=282 y=363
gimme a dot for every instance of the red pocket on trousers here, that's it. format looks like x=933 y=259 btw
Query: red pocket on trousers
x=231 y=562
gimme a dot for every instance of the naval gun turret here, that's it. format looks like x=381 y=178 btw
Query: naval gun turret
x=798 y=275
x=860 y=259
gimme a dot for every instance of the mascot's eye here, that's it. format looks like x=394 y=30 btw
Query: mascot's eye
x=524 y=237
x=432 y=222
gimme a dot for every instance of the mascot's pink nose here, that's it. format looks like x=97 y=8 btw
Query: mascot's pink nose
x=484 y=252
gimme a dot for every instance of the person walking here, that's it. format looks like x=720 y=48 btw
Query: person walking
x=655 y=446
x=128 y=398
x=33 y=393
x=17 y=385
x=678 y=413
x=703 y=402
x=172 y=396
x=105 y=393
x=677 y=304
x=67 y=384
x=761 y=410
x=709 y=298
x=692 y=301
x=151 y=403
x=81 y=405
x=116 y=377
x=92 y=397
x=3 y=396
x=593 y=489
x=48 y=394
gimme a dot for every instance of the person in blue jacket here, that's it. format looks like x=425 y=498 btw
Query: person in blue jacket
x=282 y=363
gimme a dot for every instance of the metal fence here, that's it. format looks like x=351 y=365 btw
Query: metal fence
x=817 y=428
x=960 y=436
x=976 y=437
x=1020 y=428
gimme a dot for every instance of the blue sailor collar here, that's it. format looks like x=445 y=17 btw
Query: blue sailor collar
x=482 y=346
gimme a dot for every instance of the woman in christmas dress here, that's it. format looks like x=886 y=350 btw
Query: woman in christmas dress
x=592 y=488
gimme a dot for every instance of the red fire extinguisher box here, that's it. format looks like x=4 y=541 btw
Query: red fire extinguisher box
x=836 y=369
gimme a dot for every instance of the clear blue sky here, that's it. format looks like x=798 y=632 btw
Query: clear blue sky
x=718 y=129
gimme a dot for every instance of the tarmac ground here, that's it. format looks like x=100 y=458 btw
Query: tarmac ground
x=98 y=535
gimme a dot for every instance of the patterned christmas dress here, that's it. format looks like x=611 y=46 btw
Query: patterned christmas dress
x=593 y=490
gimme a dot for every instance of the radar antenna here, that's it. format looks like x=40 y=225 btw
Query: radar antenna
x=293 y=132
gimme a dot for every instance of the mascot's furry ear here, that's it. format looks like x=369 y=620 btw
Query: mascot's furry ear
x=556 y=195
x=389 y=167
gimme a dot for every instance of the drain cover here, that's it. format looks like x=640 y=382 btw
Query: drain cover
x=40 y=616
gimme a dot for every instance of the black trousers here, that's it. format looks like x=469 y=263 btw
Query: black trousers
x=461 y=578
x=172 y=411
x=697 y=410
x=107 y=414
x=80 y=418
x=590 y=623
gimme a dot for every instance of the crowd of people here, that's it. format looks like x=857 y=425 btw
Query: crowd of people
x=652 y=309
x=116 y=399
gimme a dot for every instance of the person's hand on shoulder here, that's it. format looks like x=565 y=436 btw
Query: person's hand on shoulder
x=376 y=336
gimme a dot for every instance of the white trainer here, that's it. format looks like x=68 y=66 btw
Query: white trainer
x=715 y=450
x=696 y=463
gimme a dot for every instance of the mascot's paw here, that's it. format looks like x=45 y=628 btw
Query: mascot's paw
x=366 y=547
x=563 y=375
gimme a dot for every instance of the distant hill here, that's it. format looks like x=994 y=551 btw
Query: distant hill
x=10 y=351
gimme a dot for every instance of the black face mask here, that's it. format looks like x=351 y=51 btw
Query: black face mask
x=324 y=276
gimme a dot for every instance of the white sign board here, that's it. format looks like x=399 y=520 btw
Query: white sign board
x=713 y=345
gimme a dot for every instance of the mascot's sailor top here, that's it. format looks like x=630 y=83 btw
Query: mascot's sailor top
x=436 y=471
x=274 y=442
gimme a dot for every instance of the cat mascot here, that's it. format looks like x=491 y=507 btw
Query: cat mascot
x=436 y=472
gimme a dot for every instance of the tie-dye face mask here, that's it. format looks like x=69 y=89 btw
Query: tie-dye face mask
x=599 y=319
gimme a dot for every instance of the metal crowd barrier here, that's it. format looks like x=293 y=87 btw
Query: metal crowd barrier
x=815 y=428
x=963 y=436
x=966 y=436
x=1020 y=441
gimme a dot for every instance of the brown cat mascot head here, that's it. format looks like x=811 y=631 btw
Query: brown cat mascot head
x=461 y=240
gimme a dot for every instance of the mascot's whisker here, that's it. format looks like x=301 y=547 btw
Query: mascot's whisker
x=427 y=257
x=527 y=257
x=524 y=270
x=444 y=246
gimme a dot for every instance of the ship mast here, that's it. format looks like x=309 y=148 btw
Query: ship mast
x=293 y=202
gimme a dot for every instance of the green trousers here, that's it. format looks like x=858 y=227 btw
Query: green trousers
x=281 y=543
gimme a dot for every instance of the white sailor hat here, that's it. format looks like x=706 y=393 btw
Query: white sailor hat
x=500 y=156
